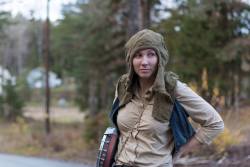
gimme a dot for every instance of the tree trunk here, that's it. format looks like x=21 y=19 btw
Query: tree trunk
x=92 y=98
x=236 y=92
x=104 y=93
x=145 y=13
x=138 y=15
x=134 y=18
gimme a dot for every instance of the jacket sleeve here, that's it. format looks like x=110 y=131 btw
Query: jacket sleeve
x=201 y=112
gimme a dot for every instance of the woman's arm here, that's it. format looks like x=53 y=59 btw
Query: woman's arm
x=211 y=124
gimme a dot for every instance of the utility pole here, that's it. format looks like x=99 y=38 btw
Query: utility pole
x=2 y=80
x=46 y=65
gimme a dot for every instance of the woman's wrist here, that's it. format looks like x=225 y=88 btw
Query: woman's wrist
x=191 y=146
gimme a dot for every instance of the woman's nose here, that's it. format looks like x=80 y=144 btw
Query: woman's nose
x=144 y=60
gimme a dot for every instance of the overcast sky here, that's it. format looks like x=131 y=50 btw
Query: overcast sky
x=38 y=6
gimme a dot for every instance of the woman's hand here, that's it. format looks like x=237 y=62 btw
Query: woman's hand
x=192 y=145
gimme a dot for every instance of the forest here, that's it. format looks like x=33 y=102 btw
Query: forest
x=208 y=42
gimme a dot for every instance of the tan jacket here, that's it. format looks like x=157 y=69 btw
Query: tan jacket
x=147 y=142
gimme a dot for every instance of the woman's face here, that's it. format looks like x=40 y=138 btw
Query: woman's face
x=145 y=63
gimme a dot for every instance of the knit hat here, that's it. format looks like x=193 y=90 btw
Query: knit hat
x=165 y=82
x=147 y=39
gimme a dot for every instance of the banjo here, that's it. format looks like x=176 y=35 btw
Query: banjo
x=107 y=148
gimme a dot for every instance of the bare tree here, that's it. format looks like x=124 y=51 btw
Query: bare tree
x=138 y=15
x=16 y=45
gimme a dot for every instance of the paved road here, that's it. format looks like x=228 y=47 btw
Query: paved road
x=21 y=161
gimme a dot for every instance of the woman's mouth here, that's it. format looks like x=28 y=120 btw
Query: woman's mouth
x=144 y=70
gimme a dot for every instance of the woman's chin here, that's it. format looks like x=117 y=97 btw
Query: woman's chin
x=145 y=76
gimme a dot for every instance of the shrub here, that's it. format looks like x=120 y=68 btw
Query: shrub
x=1 y=106
x=94 y=128
x=226 y=140
x=11 y=103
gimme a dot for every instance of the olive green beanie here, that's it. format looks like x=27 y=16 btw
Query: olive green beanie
x=164 y=83
x=146 y=39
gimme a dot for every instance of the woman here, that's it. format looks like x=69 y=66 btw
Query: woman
x=143 y=107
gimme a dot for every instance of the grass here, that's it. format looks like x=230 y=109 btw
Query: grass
x=238 y=123
x=27 y=137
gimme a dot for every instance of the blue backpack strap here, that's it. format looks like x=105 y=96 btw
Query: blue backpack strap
x=114 y=111
x=181 y=128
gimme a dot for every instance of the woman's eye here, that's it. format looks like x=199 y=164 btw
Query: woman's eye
x=137 y=55
x=151 y=54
